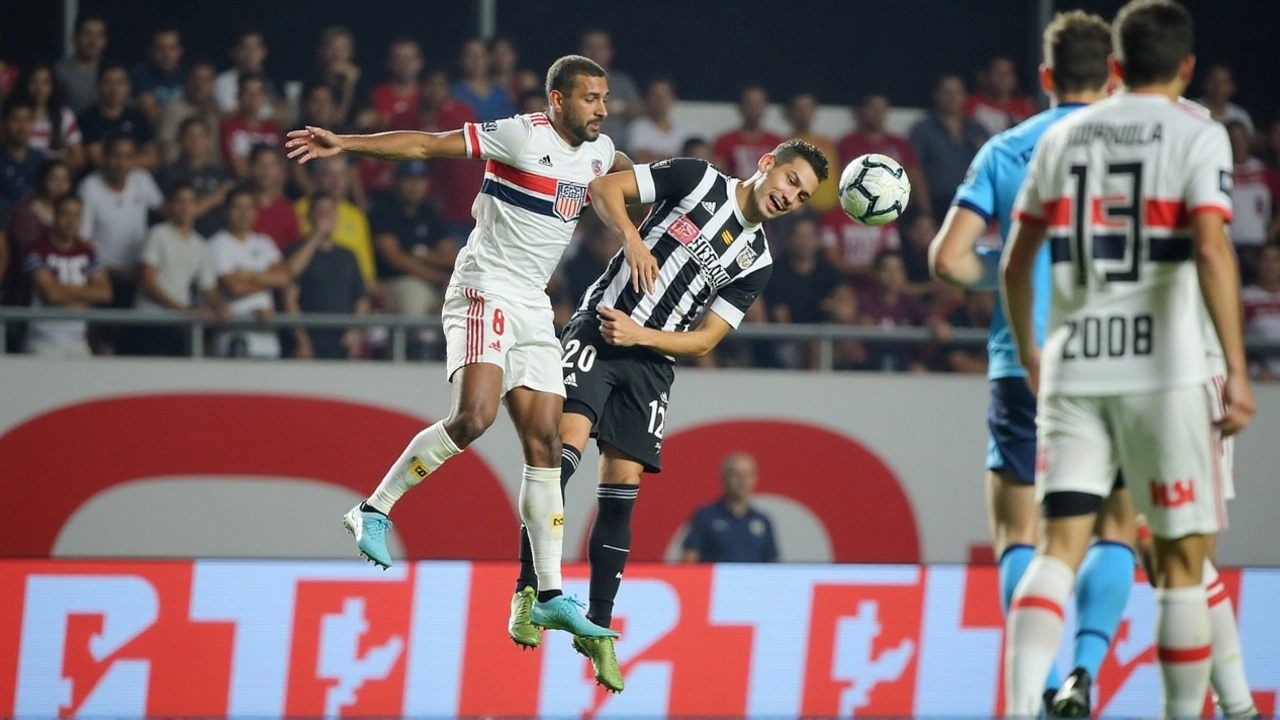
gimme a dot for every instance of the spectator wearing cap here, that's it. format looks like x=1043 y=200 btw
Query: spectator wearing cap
x=731 y=529
x=415 y=254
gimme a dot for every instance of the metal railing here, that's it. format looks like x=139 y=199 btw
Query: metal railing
x=400 y=327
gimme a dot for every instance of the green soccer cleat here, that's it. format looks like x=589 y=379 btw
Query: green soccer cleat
x=562 y=613
x=603 y=661
x=519 y=626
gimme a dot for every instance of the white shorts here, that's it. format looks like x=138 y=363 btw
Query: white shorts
x=480 y=326
x=1226 y=446
x=1163 y=442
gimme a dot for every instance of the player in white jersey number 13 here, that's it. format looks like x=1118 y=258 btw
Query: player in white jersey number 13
x=1132 y=196
x=500 y=338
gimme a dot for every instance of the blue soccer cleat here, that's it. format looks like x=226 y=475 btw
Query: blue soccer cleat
x=370 y=531
x=562 y=613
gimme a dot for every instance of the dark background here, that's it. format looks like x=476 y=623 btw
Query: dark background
x=839 y=49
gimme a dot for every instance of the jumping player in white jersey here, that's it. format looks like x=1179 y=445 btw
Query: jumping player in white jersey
x=500 y=339
x=1132 y=195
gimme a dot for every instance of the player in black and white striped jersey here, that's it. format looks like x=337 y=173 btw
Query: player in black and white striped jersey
x=681 y=282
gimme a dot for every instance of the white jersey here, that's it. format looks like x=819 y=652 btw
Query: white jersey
x=535 y=186
x=1116 y=184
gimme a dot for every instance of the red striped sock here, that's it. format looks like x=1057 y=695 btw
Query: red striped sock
x=1228 y=678
x=1183 y=649
x=1034 y=633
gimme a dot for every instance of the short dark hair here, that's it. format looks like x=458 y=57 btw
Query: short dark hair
x=1076 y=47
x=64 y=199
x=191 y=122
x=15 y=101
x=109 y=65
x=165 y=29
x=1236 y=125
x=249 y=31
x=178 y=186
x=262 y=149
x=87 y=17
x=1151 y=39
x=201 y=61
x=691 y=143
x=565 y=71
x=247 y=78
x=884 y=255
x=319 y=197
x=115 y=138
x=792 y=149
x=236 y=192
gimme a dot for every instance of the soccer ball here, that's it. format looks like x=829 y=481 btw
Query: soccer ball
x=874 y=190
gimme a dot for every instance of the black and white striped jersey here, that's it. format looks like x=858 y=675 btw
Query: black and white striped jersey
x=709 y=256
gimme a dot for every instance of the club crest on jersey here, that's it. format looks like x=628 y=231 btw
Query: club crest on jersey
x=683 y=229
x=597 y=167
x=569 y=200
x=746 y=257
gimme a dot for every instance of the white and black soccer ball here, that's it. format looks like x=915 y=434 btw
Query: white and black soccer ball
x=874 y=190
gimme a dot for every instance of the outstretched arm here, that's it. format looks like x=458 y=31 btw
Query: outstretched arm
x=313 y=143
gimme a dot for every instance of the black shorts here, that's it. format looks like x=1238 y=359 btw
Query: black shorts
x=624 y=391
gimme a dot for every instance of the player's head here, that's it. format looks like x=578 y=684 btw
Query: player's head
x=577 y=90
x=738 y=473
x=1151 y=42
x=1077 y=46
x=787 y=177
x=66 y=216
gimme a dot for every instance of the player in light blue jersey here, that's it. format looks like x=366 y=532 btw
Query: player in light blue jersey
x=1076 y=46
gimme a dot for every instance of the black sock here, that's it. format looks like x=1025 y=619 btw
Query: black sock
x=608 y=548
x=366 y=507
x=569 y=458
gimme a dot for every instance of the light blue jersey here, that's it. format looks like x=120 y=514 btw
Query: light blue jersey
x=989 y=189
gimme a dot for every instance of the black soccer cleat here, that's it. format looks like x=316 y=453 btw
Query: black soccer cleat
x=1072 y=700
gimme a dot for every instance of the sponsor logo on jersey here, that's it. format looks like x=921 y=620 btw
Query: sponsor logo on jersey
x=569 y=200
x=709 y=262
x=545 y=160
x=683 y=229
x=490 y=126
x=709 y=206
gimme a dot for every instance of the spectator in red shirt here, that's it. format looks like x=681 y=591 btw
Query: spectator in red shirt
x=455 y=181
x=64 y=272
x=739 y=150
x=853 y=248
x=872 y=137
x=999 y=106
x=396 y=105
x=276 y=218
x=246 y=129
x=30 y=219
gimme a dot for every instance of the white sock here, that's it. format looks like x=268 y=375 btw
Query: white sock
x=542 y=511
x=1229 y=683
x=1034 y=632
x=427 y=451
x=1183 y=647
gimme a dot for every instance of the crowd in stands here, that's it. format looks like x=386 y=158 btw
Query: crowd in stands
x=163 y=187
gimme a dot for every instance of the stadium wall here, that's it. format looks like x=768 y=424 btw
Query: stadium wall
x=209 y=459
x=309 y=639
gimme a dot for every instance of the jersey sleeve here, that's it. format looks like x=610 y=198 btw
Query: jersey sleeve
x=978 y=191
x=1029 y=206
x=1209 y=187
x=732 y=303
x=502 y=140
x=673 y=178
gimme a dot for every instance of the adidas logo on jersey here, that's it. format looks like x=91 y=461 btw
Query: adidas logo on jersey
x=546 y=160
x=496 y=346
x=709 y=206
x=571 y=380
